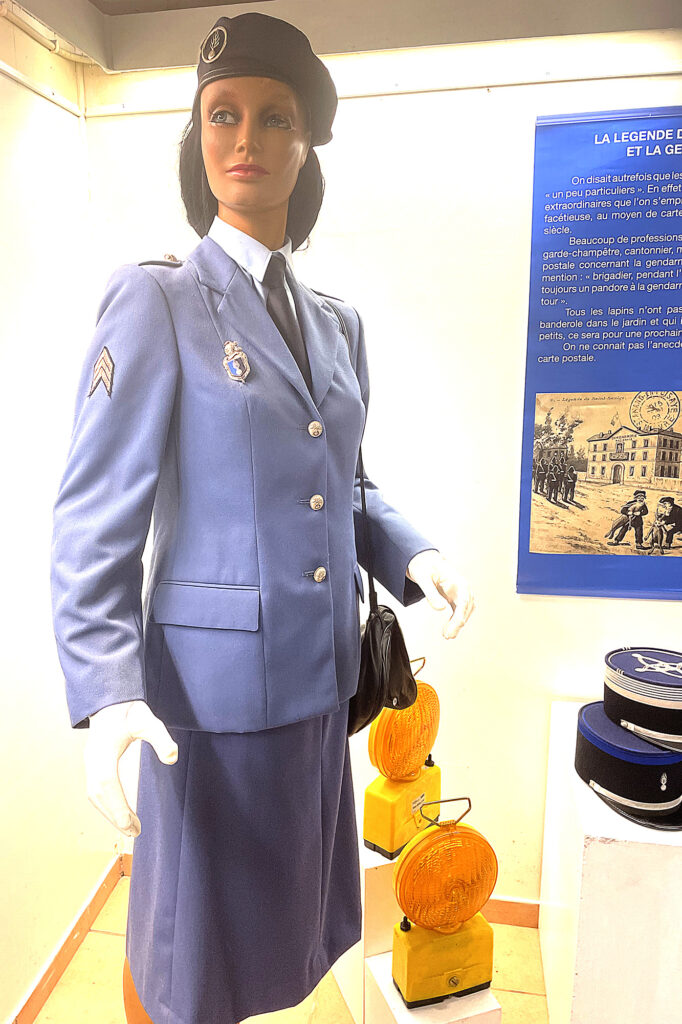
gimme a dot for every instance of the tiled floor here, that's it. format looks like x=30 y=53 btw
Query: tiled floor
x=518 y=981
x=89 y=991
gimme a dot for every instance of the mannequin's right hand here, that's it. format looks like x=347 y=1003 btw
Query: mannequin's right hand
x=112 y=730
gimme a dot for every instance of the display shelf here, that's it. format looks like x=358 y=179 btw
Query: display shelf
x=384 y=1004
x=611 y=902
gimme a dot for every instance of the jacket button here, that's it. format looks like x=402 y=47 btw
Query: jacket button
x=317 y=501
x=315 y=428
x=319 y=574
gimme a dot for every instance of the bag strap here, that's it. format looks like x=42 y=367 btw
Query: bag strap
x=373 y=604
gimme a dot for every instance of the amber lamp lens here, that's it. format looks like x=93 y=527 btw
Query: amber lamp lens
x=400 y=741
x=445 y=877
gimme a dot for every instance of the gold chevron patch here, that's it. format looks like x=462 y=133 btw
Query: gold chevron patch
x=103 y=371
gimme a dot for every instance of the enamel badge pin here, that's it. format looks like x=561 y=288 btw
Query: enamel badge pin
x=236 y=362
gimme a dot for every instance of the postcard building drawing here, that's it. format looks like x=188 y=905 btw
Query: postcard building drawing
x=606 y=475
x=628 y=455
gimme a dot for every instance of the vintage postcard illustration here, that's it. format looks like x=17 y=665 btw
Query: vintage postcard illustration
x=606 y=474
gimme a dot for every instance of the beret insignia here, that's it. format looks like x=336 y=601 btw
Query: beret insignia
x=214 y=44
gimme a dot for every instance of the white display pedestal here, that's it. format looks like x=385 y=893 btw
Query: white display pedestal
x=611 y=903
x=384 y=1004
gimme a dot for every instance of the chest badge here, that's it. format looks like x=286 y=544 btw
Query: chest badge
x=236 y=361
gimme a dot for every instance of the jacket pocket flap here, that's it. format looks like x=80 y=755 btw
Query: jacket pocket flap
x=213 y=606
x=358 y=581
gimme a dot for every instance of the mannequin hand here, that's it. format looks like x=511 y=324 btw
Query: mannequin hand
x=443 y=588
x=112 y=730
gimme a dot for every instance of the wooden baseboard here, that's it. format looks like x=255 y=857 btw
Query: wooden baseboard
x=522 y=913
x=35 y=1002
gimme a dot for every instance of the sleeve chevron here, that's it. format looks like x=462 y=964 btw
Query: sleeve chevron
x=103 y=372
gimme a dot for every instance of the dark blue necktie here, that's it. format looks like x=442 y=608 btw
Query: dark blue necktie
x=284 y=318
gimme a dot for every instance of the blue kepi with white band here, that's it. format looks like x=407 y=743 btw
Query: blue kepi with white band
x=643 y=693
x=637 y=779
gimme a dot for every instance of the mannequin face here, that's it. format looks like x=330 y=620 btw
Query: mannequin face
x=256 y=121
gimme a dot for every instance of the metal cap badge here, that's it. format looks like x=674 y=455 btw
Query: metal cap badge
x=214 y=44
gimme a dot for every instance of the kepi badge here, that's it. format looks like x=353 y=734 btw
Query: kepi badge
x=236 y=361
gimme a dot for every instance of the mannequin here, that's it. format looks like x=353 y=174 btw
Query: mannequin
x=259 y=208
x=247 y=119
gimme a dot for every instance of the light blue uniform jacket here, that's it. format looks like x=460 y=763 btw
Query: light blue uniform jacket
x=235 y=634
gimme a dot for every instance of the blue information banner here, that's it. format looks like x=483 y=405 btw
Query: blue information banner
x=601 y=473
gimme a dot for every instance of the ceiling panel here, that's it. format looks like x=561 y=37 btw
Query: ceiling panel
x=169 y=33
x=151 y=6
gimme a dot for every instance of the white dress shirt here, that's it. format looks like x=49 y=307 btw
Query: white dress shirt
x=251 y=255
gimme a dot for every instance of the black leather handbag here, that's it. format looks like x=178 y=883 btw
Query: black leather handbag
x=385 y=679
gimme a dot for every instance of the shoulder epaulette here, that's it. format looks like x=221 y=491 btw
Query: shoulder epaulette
x=337 y=313
x=168 y=261
x=326 y=295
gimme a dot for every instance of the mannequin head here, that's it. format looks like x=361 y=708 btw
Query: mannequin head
x=263 y=97
x=261 y=121
x=291 y=195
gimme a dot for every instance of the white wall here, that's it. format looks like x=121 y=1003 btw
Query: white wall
x=55 y=847
x=436 y=260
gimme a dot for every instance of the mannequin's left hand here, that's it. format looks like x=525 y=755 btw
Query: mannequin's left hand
x=443 y=588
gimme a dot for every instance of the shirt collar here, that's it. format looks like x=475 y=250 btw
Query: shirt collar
x=248 y=252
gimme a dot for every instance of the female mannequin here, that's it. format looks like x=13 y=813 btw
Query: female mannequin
x=202 y=842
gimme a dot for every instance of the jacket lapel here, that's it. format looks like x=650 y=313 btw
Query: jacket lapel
x=321 y=334
x=239 y=314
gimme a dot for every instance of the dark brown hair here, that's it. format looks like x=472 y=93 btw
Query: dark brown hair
x=201 y=205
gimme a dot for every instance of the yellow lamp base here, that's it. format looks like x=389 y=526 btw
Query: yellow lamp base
x=429 y=966
x=391 y=815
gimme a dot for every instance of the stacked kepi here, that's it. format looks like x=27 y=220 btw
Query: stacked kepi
x=629 y=746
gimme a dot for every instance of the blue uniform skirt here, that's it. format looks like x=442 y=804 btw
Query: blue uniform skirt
x=245 y=883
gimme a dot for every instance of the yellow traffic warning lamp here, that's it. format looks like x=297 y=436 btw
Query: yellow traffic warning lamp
x=400 y=744
x=443 y=946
